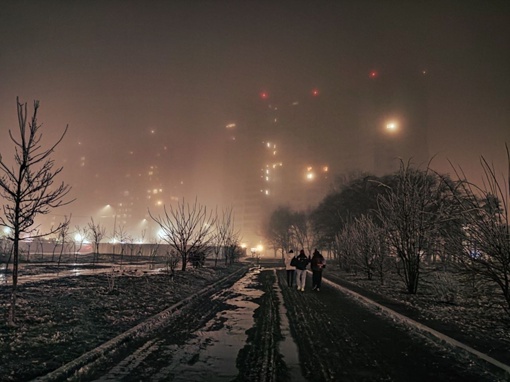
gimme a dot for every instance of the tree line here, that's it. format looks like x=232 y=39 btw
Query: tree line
x=401 y=221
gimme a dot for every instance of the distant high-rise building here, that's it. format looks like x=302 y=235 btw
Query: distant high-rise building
x=273 y=157
x=288 y=151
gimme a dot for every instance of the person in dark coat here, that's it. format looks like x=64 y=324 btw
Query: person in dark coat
x=318 y=264
x=301 y=264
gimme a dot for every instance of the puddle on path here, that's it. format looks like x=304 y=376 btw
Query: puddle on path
x=288 y=348
x=211 y=355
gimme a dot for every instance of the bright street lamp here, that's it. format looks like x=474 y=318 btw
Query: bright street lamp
x=391 y=126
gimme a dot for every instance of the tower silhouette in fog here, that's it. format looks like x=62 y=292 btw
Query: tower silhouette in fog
x=287 y=149
x=273 y=157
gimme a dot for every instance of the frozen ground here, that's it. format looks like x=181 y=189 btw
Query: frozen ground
x=251 y=329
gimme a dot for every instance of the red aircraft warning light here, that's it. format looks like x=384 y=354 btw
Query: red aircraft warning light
x=264 y=95
x=315 y=92
x=373 y=74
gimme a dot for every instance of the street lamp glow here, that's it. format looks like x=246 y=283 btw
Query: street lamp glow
x=391 y=126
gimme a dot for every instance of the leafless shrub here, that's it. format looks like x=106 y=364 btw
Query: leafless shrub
x=172 y=259
x=370 y=250
x=96 y=234
x=483 y=246
x=344 y=248
x=80 y=234
x=412 y=213
x=225 y=237
x=444 y=286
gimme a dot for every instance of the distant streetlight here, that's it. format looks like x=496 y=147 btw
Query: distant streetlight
x=391 y=126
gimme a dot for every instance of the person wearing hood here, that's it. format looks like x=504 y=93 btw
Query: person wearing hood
x=301 y=263
x=318 y=264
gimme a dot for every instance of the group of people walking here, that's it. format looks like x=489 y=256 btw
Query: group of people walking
x=296 y=265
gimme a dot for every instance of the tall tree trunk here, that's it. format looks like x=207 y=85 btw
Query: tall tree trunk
x=12 y=310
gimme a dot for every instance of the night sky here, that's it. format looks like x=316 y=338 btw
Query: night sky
x=141 y=80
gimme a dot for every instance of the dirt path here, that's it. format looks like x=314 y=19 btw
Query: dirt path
x=205 y=341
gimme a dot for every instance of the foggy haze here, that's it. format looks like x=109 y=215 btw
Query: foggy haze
x=148 y=87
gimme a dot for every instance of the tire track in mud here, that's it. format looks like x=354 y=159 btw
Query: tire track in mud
x=340 y=339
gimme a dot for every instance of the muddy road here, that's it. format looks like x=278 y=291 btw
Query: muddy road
x=257 y=328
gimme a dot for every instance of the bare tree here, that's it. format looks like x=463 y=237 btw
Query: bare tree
x=216 y=244
x=344 y=247
x=484 y=245
x=231 y=240
x=412 y=212
x=40 y=245
x=278 y=231
x=96 y=233
x=80 y=236
x=232 y=250
x=153 y=251
x=371 y=253
x=139 y=252
x=27 y=187
x=188 y=228
x=122 y=237
x=63 y=236
x=225 y=236
x=54 y=242
x=302 y=232
x=131 y=245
